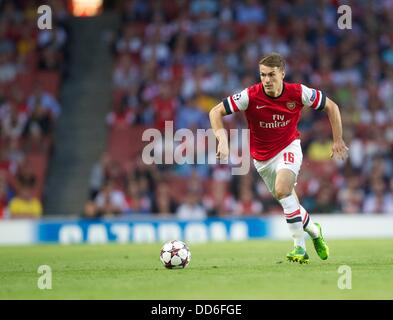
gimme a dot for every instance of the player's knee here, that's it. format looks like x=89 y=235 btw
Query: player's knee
x=282 y=191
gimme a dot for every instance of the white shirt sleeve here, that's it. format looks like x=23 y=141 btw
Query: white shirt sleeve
x=237 y=102
x=313 y=98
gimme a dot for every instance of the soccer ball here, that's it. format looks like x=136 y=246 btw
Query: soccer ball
x=175 y=254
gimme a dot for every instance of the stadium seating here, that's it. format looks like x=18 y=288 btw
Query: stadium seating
x=34 y=142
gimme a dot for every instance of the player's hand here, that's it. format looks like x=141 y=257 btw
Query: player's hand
x=339 y=150
x=222 y=149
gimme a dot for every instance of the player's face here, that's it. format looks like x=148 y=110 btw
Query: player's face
x=271 y=78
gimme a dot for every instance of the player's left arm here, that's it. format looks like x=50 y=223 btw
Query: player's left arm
x=339 y=149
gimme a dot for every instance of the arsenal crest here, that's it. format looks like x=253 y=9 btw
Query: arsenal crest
x=291 y=105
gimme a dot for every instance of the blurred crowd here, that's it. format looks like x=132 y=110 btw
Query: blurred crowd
x=175 y=60
x=31 y=64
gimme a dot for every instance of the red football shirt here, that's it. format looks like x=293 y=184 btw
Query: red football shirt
x=273 y=120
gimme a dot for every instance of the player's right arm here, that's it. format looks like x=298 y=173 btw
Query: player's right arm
x=216 y=114
x=237 y=102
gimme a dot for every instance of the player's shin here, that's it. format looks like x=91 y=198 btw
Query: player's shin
x=308 y=224
x=294 y=220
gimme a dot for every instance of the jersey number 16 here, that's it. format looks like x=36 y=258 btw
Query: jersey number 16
x=289 y=157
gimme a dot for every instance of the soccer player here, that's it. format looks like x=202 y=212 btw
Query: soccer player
x=272 y=108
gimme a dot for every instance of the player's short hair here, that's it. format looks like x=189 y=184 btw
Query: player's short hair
x=273 y=60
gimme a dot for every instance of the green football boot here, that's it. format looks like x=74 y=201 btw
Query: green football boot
x=320 y=245
x=298 y=254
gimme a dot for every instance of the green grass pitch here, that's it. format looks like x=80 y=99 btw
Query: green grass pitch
x=230 y=270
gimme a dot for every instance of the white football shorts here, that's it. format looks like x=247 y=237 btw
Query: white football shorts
x=290 y=158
